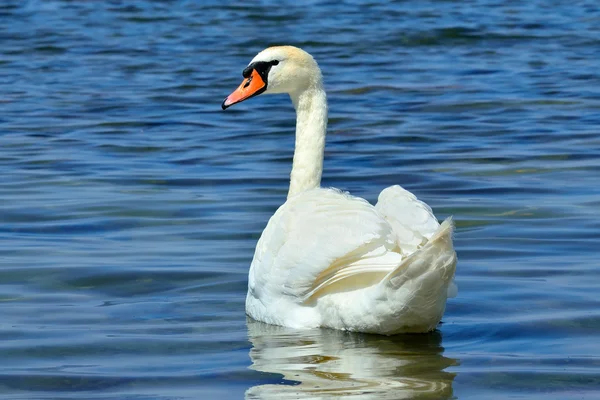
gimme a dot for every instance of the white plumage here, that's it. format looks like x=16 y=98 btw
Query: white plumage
x=329 y=259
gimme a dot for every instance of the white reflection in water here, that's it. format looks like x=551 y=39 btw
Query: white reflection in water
x=328 y=364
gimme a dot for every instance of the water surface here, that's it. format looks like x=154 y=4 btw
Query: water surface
x=131 y=204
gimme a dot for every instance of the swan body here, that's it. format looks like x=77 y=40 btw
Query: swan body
x=329 y=259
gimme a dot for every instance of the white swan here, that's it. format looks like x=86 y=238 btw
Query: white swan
x=329 y=259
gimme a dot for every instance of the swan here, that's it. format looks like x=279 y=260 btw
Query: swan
x=331 y=260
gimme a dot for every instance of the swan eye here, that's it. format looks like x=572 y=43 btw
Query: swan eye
x=275 y=62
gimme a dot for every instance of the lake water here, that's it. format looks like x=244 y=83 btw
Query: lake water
x=130 y=204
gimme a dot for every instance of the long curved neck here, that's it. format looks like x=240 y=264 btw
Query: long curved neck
x=311 y=128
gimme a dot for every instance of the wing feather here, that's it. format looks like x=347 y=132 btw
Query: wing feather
x=320 y=241
x=412 y=220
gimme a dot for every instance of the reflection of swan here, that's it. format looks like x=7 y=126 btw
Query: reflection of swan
x=329 y=364
x=330 y=259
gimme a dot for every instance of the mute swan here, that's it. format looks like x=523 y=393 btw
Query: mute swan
x=329 y=259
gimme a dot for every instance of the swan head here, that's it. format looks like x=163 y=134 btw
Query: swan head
x=280 y=69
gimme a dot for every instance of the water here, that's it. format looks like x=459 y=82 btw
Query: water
x=131 y=204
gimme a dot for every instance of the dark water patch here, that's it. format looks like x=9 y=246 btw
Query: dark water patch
x=59 y=383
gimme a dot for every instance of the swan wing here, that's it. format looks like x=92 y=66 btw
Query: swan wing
x=413 y=223
x=321 y=241
x=412 y=220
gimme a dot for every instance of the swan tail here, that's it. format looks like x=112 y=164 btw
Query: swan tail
x=417 y=289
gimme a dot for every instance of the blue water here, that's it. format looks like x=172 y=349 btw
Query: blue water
x=131 y=204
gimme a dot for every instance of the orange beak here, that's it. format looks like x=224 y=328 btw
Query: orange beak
x=250 y=87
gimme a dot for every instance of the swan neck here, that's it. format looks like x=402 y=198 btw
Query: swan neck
x=311 y=128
